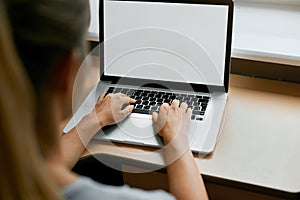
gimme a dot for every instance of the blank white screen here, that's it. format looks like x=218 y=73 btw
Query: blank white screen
x=165 y=41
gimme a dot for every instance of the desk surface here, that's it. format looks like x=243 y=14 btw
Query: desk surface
x=259 y=142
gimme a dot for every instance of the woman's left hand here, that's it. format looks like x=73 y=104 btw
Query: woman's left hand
x=110 y=109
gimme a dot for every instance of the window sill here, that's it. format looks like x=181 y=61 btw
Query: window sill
x=268 y=33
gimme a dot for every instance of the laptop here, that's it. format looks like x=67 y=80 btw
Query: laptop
x=158 y=51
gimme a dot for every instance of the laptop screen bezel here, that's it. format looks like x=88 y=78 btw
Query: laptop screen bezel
x=173 y=85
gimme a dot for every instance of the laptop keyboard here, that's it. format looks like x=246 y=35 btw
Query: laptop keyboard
x=148 y=101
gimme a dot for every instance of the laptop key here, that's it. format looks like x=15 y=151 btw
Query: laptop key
x=196 y=112
x=193 y=117
x=110 y=90
x=144 y=94
x=131 y=90
x=137 y=94
x=203 y=100
x=196 y=108
x=138 y=102
x=151 y=95
x=204 y=107
x=154 y=108
x=145 y=103
x=196 y=104
x=141 y=111
x=169 y=101
x=172 y=97
x=189 y=103
x=139 y=106
x=158 y=96
x=117 y=90
x=152 y=103
x=129 y=93
x=145 y=98
x=186 y=99
x=125 y=90
x=146 y=107
x=203 y=104
x=179 y=98
x=199 y=119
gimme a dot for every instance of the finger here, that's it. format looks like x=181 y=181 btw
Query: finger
x=118 y=101
x=121 y=94
x=132 y=100
x=183 y=107
x=189 y=112
x=165 y=106
x=163 y=112
x=175 y=103
x=154 y=116
x=156 y=124
x=108 y=96
x=161 y=118
x=125 y=112
x=123 y=99
x=126 y=99
x=100 y=98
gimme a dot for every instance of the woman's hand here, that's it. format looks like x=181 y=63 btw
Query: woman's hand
x=110 y=109
x=172 y=121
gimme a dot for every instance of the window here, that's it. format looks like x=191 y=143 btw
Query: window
x=283 y=2
x=268 y=31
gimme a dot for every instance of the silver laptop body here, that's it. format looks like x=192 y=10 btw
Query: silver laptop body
x=159 y=51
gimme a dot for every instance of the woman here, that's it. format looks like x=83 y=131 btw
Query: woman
x=49 y=39
x=23 y=172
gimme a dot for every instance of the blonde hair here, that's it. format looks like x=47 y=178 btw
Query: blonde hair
x=23 y=171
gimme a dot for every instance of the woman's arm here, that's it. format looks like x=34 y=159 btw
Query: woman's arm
x=172 y=123
x=107 y=111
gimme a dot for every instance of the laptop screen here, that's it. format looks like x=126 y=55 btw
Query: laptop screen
x=177 y=42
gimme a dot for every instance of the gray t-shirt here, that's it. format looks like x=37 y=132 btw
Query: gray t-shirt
x=86 y=189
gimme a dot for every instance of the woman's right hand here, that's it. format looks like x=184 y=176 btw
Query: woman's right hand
x=172 y=121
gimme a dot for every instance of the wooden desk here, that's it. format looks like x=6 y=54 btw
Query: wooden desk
x=259 y=143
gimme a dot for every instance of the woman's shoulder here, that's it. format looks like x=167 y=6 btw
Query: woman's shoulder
x=87 y=189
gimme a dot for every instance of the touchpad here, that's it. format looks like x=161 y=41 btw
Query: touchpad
x=137 y=128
